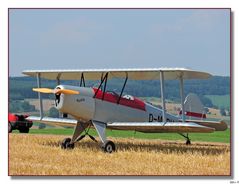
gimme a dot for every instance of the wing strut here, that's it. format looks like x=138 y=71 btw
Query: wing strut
x=58 y=80
x=103 y=79
x=100 y=128
x=123 y=88
x=162 y=95
x=82 y=79
x=39 y=94
x=182 y=97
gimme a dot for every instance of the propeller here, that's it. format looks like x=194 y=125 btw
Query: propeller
x=56 y=91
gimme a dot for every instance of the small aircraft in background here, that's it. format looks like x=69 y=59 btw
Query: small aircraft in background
x=103 y=109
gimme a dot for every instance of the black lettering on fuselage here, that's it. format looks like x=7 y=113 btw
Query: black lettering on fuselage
x=80 y=100
x=151 y=118
x=157 y=119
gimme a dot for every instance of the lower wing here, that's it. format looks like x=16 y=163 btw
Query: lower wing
x=218 y=126
x=153 y=127
x=64 y=122
x=161 y=127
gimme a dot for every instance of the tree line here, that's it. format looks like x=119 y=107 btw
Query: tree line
x=20 y=88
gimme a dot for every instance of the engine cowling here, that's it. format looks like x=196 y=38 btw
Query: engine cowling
x=81 y=106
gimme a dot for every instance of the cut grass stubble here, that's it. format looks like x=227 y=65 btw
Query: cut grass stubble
x=41 y=155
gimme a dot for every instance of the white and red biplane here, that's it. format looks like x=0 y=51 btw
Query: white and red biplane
x=103 y=109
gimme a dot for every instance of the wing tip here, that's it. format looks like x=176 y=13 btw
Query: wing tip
x=223 y=125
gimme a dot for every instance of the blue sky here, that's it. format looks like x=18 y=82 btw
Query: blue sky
x=119 y=38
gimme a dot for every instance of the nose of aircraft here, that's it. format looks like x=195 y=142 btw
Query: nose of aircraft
x=57 y=91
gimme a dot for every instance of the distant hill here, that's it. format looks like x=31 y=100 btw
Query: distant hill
x=21 y=87
x=220 y=101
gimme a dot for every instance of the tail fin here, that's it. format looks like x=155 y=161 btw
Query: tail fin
x=193 y=107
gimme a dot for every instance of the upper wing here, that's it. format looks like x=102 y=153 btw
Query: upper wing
x=64 y=122
x=134 y=74
x=161 y=127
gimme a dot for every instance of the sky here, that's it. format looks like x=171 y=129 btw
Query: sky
x=197 y=39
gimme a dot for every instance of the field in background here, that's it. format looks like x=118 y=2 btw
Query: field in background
x=47 y=103
x=220 y=100
x=40 y=155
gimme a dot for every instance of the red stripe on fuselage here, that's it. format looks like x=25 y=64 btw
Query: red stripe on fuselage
x=194 y=114
x=109 y=97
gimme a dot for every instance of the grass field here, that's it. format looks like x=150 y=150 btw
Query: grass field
x=223 y=136
x=31 y=154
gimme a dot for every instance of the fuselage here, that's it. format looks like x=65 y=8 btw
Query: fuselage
x=93 y=104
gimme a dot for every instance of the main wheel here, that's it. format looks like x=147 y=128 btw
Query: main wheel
x=108 y=147
x=66 y=144
x=9 y=127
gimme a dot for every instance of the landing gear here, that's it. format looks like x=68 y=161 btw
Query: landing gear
x=108 y=146
x=66 y=144
x=69 y=143
x=188 y=141
x=86 y=134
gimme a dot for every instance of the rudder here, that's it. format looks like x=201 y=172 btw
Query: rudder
x=193 y=107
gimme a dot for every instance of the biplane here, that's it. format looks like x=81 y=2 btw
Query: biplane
x=99 y=108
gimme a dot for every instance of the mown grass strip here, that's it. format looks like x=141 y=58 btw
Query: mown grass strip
x=223 y=136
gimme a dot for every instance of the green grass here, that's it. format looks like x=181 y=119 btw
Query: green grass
x=220 y=100
x=205 y=137
x=47 y=126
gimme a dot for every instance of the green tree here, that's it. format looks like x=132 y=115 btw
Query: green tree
x=21 y=106
x=53 y=112
x=42 y=126
x=222 y=111
x=206 y=101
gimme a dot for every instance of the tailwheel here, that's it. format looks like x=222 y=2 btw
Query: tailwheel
x=108 y=147
x=66 y=144
x=188 y=142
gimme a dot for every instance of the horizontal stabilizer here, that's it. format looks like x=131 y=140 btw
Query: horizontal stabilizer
x=218 y=126
x=161 y=127
x=64 y=122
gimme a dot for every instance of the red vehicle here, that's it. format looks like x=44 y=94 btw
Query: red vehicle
x=18 y=122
